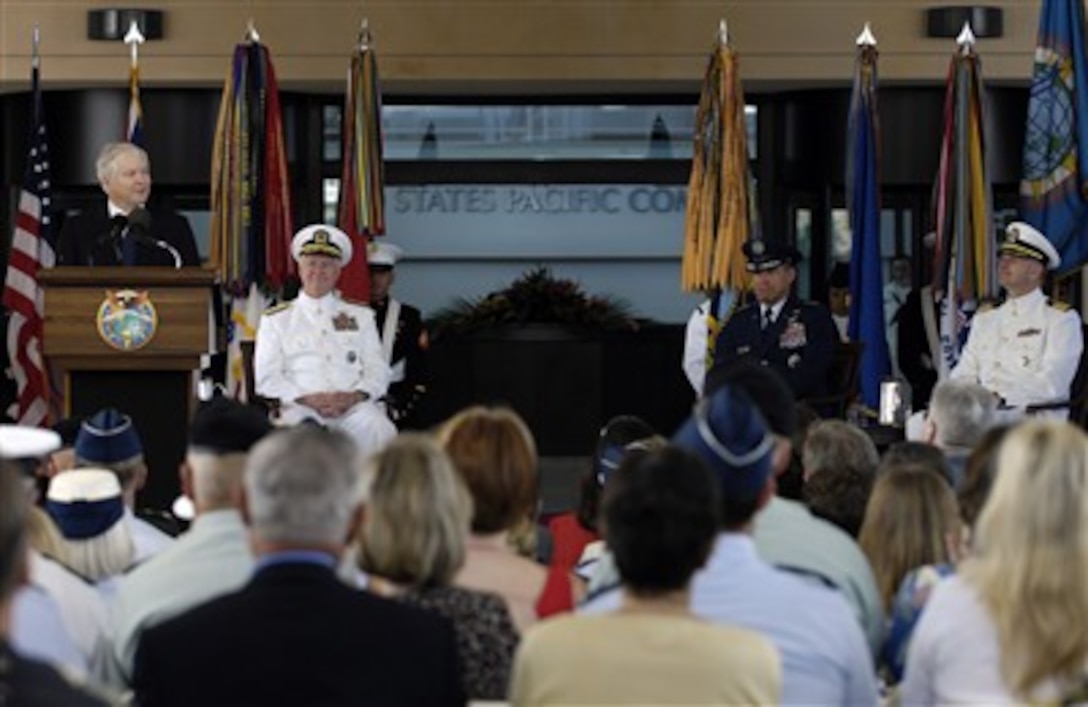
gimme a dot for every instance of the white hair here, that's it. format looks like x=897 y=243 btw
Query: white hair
x=106 y=164
x=962 y=412
x=105 y=555
x=303 y=486
x=216 y=478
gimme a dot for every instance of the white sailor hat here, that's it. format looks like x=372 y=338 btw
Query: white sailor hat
x=321 y=239
x=1023 y=241
x=382 y=255
x=22 y=442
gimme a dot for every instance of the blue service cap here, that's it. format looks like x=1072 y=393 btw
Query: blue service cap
x=108 y=437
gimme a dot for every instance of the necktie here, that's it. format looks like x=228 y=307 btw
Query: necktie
x=768 y=317
x=128 y=250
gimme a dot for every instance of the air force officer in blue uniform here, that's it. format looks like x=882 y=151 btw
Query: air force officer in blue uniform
x=778 y=330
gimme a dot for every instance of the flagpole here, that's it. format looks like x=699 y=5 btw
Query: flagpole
x=134 y=38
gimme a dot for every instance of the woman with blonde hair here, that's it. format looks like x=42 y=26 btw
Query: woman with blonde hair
x=912 y=535
x=494 y=453
x=1012 y=626
x=412 y=544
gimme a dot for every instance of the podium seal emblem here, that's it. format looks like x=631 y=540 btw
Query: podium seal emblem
x=127 y=319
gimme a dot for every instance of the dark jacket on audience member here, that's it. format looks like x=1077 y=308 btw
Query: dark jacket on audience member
x=296 y=635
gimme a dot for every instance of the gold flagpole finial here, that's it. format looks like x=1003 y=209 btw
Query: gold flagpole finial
x=251 y=32
x=723 y=33
x=966 y=39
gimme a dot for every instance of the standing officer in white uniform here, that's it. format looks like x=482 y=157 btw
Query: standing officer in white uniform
x=1026 y=350
x=319 y=354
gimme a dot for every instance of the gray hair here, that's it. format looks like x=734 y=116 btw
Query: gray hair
x=962 y=412
x=13 y=510
x=105 y=555
x=832 y=444
x=303 y=486
x=216 y=478
x=106 y=164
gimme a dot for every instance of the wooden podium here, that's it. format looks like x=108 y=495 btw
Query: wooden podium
x=151 y=380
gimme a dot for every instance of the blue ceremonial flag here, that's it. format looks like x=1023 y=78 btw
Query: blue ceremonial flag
x=863 y=195
x=1052 y=191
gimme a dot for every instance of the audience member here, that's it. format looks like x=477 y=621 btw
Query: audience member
x=912 y=525
x=319 y=355
x=978 y=476
x=108 y=440
x=661 y=516
x=24 y=681
x=786 y=534
x=411 y=545
x=960 y=412
x=1012 y=625
x=839 y=463
x=572 y=532
x=825 y=659
x=86 y=505
x=907 y=452
x=56 y=616
x=494 y=452
x=295 y=634
x=213 y=557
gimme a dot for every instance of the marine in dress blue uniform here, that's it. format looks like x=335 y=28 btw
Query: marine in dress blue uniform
x=791 y=336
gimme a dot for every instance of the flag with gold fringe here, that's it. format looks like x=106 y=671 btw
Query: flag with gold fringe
x=251 y=226
x=361 y=212
x=134 y=128
x=720 y=213
x=965 y=261
x=863 y=202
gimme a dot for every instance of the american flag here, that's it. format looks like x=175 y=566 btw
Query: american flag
x=32 y=248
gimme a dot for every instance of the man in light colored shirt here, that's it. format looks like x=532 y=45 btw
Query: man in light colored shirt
x=825 y=658
x=212 y=558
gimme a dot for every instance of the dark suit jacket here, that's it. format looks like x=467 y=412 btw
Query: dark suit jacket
x=28 y=682
x=85 y=240
x=916 y=359
x=798 y=346
x=296 y=635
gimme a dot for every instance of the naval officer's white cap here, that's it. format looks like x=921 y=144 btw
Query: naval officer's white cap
x=320 y=239
x=1024 y=241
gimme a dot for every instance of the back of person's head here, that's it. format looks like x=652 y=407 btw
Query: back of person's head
x=912 y=520
x=109 y=440
x=1030 y=554
x=88 y=509
x=494 y=452
x=840 y=496
x=661 y=515
x=620 y=435
x=978 y=475
x=834 y=444
x=764 y=387
x=221 y=435
x=418 y=513
x=727 y=432
x=303 y=487
x=910 y=452
x=961 y=412
x=13 y=512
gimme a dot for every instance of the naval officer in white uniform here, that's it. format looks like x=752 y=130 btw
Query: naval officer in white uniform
x=1026 y=350
x=319 y=354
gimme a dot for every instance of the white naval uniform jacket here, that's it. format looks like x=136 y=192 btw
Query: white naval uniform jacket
x=1025 y=350
x=313 y=345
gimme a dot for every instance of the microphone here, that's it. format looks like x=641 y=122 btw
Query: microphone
x=139 y=228
x=111 y=237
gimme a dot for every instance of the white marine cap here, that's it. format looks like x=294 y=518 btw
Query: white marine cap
x=23 y=442
x=1024 y=241
x=382 y=254
x=321 y=239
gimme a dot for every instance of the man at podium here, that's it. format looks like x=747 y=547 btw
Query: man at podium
x=124 y=232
